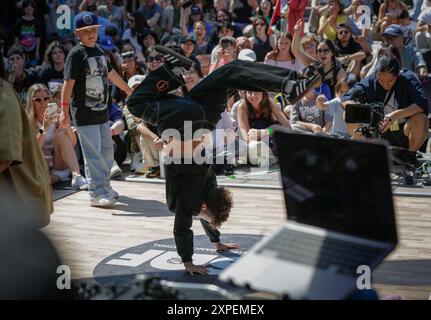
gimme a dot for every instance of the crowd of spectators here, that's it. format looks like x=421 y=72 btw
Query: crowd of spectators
x=289 y=34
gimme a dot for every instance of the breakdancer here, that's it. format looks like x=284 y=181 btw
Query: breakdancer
x=191 y=189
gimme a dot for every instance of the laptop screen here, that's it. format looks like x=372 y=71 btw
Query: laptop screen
x=337 y=184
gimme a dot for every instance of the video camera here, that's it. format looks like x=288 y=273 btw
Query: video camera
x=368 y=115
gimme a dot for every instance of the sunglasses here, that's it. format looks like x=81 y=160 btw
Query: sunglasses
x=259 y=24
x=158 y=58
x=39 y=100
x=323 y=51
x=189 y=73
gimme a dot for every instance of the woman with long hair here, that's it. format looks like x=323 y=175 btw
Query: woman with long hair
x=52 y=73
x=328 y=24
x=389 y=12
x=199 y=35
x=261 y=43
x=349 y=52
x=326 y=56
x=189 y=17
x=282 y=54
x=57 y=144
x=265 y=10
x=255 y=115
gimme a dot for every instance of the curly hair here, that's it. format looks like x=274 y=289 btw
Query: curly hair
x=219 y=201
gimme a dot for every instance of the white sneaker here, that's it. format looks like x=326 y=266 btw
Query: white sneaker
x=101 y=201
x=136 y=160
x=116 y=170
x=112 y=193
x=79 y=182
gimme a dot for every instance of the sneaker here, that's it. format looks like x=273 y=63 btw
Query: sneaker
x=79 y=182
x=112 y=193
x=153 y=172
x=116 y=170
x=136 y=160
x=141 y=168
x=101 y=201
x=173 y=58
x=295 y=90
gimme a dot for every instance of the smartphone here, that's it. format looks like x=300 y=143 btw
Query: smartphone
x=358 y=113
x=186 y=4
x=53 y=111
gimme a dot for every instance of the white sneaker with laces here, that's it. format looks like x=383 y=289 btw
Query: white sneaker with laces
x=136 y=160
x=112 y=193
x=116 y=170
x=79 y=182
x=101 y=201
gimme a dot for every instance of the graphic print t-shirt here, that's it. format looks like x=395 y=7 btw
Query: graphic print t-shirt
x=27 y=32
x=89 y=68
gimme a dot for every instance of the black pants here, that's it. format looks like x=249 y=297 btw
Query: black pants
x=207 y=100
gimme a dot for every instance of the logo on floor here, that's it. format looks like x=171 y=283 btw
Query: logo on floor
x=160 y=257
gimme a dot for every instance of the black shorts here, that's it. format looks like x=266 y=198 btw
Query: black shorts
x=397 y=138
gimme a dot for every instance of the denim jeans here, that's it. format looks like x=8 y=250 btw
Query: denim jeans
x=98 y=151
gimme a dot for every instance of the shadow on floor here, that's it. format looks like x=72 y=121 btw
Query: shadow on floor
x=141 y=208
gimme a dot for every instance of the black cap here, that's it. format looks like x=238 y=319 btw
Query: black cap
x=185 y=39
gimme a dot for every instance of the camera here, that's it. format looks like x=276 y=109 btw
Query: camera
x=368 y=115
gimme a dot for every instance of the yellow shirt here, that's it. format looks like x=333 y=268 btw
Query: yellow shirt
x=330 y=32
x=28 y=176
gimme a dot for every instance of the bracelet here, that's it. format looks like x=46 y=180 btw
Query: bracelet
x=65 y=104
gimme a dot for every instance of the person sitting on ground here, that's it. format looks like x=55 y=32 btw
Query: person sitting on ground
x=405 y=123
x=255 y=116
x=349 y=52
x=306 y=117
x=326 y=55
x=20 y=77
x=411 y=58
x=57 y=143
x=423 y=28
x=388 y=13
x=333 y=107
x=282 y=54
x=52 y=74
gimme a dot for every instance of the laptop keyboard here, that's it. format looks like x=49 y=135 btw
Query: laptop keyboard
x=319 y=251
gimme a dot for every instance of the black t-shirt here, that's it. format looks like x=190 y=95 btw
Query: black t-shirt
x=21 y=86
x=89 y=68
x=49 y=75
x=27 y=32
x=351 y=48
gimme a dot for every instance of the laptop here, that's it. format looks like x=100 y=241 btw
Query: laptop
x=340 y=216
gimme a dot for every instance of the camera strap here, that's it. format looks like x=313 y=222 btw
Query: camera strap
x=388 y=96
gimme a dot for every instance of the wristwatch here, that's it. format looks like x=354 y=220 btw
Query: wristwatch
x=42 y=131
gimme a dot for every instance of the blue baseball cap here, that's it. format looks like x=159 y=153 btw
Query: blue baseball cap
x=107 y=43
x=393 y=30
x=85 y=19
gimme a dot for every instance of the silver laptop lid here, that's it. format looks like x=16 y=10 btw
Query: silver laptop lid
x=339 y=185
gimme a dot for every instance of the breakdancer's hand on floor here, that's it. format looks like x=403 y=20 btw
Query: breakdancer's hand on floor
x=193 y=268
x=226 y=246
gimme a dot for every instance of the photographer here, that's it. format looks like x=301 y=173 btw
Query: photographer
x=405 y=121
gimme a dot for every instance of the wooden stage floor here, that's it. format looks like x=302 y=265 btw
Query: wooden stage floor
x=84 y=236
